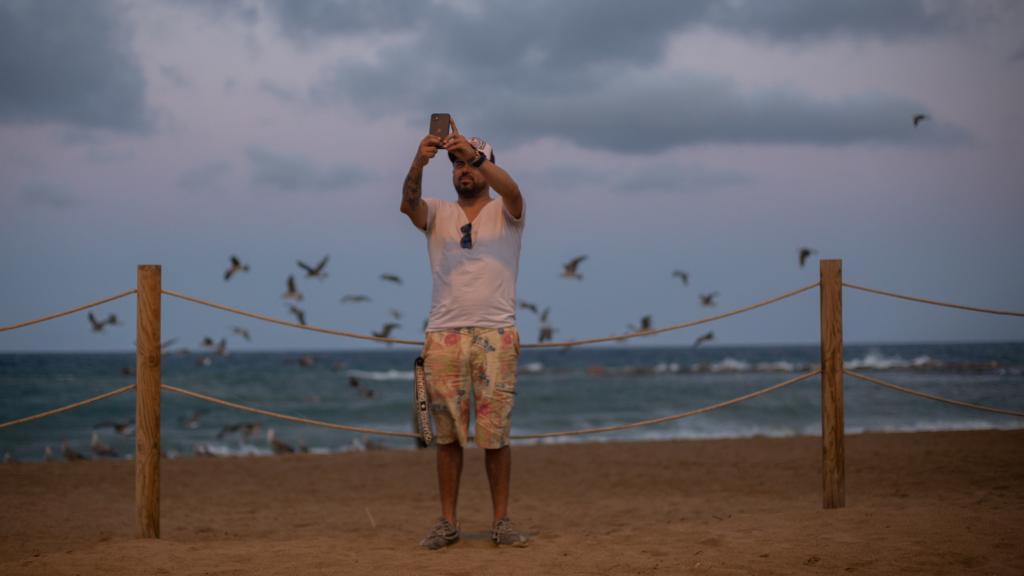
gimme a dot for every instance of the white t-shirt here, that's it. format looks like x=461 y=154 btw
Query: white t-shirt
x=474 y=287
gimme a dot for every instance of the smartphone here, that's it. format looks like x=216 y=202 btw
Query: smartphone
x=439 y=124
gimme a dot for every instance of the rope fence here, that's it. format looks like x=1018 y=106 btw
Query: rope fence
x=55 y=411
x=933 y=302
x=564 y=344
x=69 y=311
x=920 y=394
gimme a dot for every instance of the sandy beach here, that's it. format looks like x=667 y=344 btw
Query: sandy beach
x=924 y=503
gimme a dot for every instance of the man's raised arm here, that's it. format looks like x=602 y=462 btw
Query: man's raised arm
x=413 y=205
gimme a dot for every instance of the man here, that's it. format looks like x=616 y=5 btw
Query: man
x=471 y=343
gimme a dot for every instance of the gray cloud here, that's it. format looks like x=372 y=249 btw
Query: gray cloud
x=204 y=177
x=245 y=10
x=69 y=62
x=284 y=173
x=584 y=72
x=636 y=178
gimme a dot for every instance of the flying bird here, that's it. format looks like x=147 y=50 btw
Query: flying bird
x=293 y=292
x=385 y=331
x=544 y=315
x=97 y=326
x=208 y=342
x=243 y=332
x=299 y=314
x=222 y=347
x=645 y=325
x=395 y=313
x=126 y=428
x=247 y=429
x=314 y=271
x=354 y=298
x=236 y=266
x=391 y=278
x=708 y=299
x=569 y=268
x=546 y=333
x=805 y=252
x=704 y=338
x=682 y=276
x=918 y=118
x=528 y=306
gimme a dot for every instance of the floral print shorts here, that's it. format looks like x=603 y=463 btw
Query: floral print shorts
x=481 y=360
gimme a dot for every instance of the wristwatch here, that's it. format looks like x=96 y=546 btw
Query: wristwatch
x=479 y=160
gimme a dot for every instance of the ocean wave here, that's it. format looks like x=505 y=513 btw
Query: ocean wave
x=382 y=375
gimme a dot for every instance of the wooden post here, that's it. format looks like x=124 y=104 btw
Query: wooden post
x=147 y=403
x=833 y=457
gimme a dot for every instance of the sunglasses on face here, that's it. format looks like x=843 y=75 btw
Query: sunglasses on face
x=467 y=239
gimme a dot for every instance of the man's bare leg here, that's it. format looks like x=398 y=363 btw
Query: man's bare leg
x=449 y=472
x=499 y=469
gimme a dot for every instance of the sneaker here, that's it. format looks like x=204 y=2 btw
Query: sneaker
x=503 y=534
x=441 y=535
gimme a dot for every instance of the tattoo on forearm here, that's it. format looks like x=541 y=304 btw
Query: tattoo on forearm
x=411 y=190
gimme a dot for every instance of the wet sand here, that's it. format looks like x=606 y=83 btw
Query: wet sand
x=924 y=503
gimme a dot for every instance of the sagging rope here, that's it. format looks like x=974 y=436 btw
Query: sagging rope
x=564 y=344
x=103 y=396
x=66 y=312
x=379 y=432
x=912 y=392
x=934 y=302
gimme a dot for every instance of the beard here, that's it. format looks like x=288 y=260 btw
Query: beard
x=470 y=191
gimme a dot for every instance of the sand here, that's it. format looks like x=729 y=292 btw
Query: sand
x=924 y=503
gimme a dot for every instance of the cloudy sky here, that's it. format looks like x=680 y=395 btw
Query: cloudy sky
x=712 y=137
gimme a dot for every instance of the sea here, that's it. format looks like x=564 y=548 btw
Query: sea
x=558 y=390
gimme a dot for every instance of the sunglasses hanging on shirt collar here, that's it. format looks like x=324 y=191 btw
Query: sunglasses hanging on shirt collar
x=467 y=238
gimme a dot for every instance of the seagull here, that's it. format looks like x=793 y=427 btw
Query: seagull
x=528 y=306
x=704 y=338
x=299 y=314
x=682 y=276
x=97 y=326
x=385 y=331
x=645 y=325
x=570 y=268
x=112 y=320
x=355 y=298
x=276 y=445
x=314 y=271
x=99 y=448
x=236 y=266
x=208 y=342
x=395 y=313
x=243 y=332
x=546 y=333
x=126 y=428
x=391 y=278
x=191 y=422
x=69 y=453
x=918 y=118
x=804 y=253
x=247 y=429
x=293 y=292
x=708 y=299
x=544 y=315
x=222 y=347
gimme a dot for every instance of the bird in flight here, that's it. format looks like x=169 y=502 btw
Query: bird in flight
x=645 y=325
x=682 y=276
x=391 y=278
x=546 y=333
x=569 y=268
x=805 y=253
x=293 y=292
x=385 y=331
x=528 y=306
x=243 y=332
x=704 y=338
x=354 y=298
x=918 y=118
x=236 y=266
x=708 y=299
x=314 y=271
x=299 y=314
